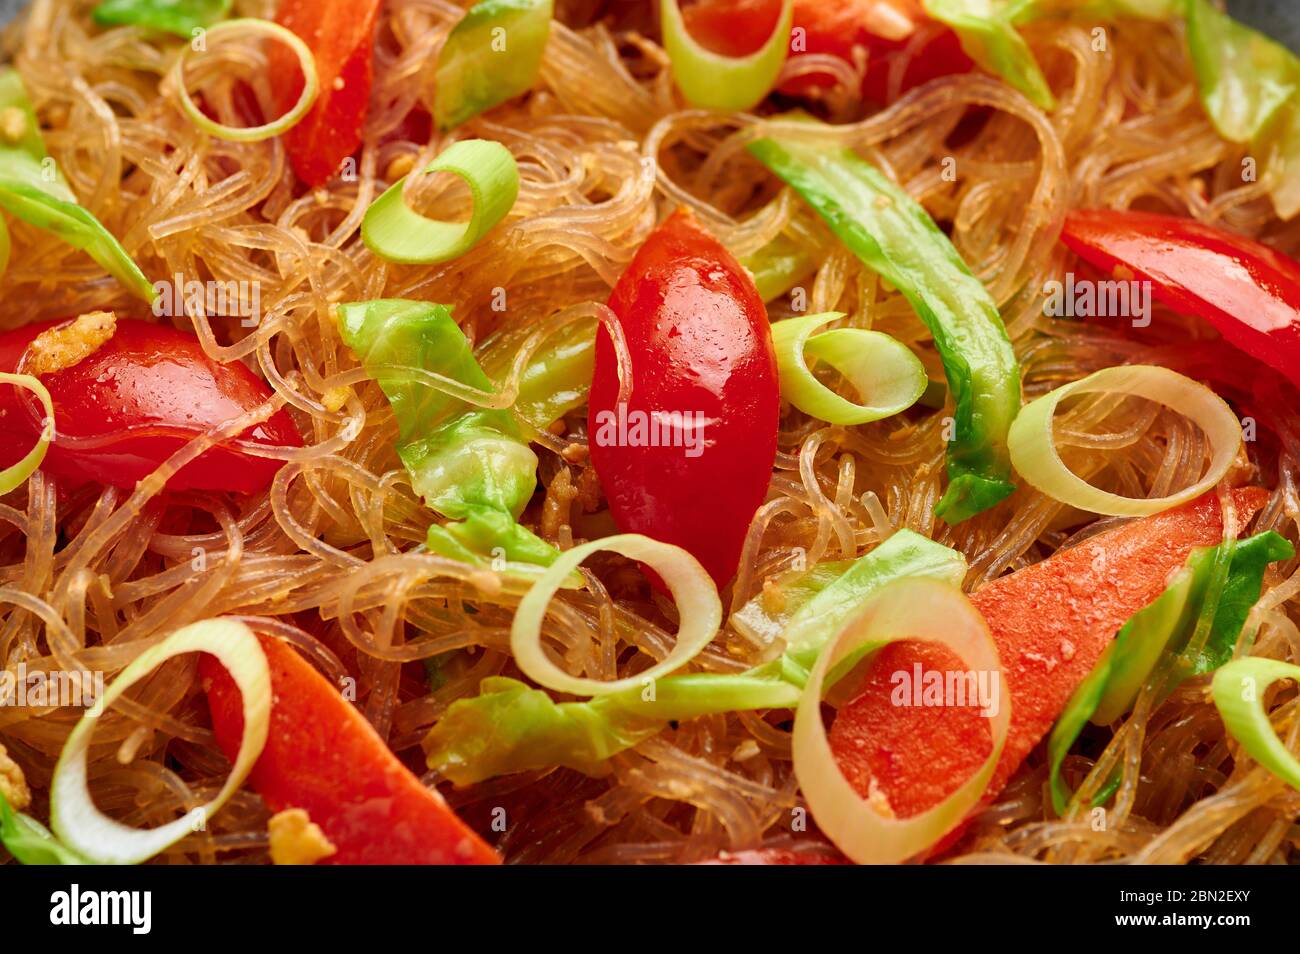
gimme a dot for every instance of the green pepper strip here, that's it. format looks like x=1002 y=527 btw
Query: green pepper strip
x=895 y=237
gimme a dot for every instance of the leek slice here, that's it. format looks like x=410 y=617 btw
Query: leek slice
x=393 y=231
x=306 y=99
x=698 y=607
x=15 y=474
x=30 y=842
x=1034 y=454
x=710 y=80
x=921 y=609
x=73 y=815
x=880 y=368
x=493 y=54
x=1238 y=692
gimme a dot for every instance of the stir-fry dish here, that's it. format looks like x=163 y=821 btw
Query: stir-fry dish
x=643 y=431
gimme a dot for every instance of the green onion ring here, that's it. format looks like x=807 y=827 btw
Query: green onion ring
x=1034 y=454
x=728 y=83
x=73 y=815
x=393 y=231
x=310 y=86
x=1244 y=716
x=910 y=608
x=698 y=607
x=13 y=476
x=879 y=368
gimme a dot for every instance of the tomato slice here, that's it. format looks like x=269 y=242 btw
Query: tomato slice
x=123 y=410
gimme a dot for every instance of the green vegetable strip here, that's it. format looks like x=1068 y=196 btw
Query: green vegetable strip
x=894 y=236
x=471 y=465
x=778 y=267
x=32 y=189
x=1238 y=691
x=493 y=54
x=512 y=728
x=30 y=842
x=1224 y=582
x=556 y=379
x=181 y=17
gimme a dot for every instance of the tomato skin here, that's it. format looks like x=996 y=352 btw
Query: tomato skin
x=157 y=381
x=341 y=34
x=322 y=755
x=1248 y=291
x=699 y=342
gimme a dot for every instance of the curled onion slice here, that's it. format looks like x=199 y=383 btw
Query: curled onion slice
x=15 y=474
x=392 y=230
x=310 y=85
x=698 y=608
x=880 y=368
x=73 y=815
x=1238 y=692
x=729 y=83
x=1034 y=454
x=911 y=608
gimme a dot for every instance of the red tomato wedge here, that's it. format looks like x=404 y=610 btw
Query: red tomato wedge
x=341 y=35
x=1245 y=289
x=689 y=458
x=127 y=407
x=1051 y=622
x=835 y=28
x=322 y=756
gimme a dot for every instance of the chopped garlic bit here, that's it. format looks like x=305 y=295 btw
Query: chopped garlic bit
x=67 y=345
x=334 y=399
x=296 y=839
x=13 y=784
x=13 y=124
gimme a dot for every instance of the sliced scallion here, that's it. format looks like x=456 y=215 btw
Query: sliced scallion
x=730 y=83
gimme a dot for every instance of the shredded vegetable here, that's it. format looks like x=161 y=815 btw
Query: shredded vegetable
x=1238 y=690
x=181 y=17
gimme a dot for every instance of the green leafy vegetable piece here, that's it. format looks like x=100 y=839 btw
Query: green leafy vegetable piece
x=30 y=842
x=895 y=237
x=493 y=54
x=1166 y=625
x=33 y=189
x=181 y=17
x=470 y=464
x=1238 y=692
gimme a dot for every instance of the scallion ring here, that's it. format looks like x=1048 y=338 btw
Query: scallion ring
x=393 y=231
x=1238 y=691
x=73 y=815
x=911 y=608
x=310 y=86
x=698 y=608
x=1034 y=454
x=14 y=475
x=728 y=83
x=880 y=368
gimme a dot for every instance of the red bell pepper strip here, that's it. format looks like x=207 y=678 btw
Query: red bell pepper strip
x=833 y=27
x=341 y=35
x=689 y=458
x=1051 y=622
x=1245 y=289
x=322 y=756
x=143 y=394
